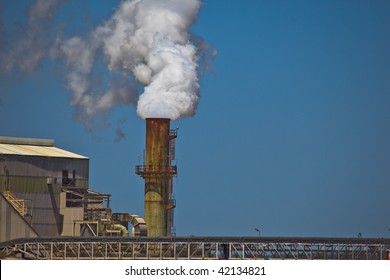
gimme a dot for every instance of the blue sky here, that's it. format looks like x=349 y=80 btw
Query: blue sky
x=291 y=135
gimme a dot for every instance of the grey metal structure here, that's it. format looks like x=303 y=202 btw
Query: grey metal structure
x=198 y=248
x=45 y=193
x=17 y=226
x=38 y=175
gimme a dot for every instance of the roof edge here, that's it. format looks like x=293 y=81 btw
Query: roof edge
x=27 y=141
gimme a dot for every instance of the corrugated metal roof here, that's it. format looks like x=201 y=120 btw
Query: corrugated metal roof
x=42 y=151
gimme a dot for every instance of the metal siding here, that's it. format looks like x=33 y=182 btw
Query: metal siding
x=12 y=224
x=71 y=215
x=45 y=207
x=43 y=166
x=25 y=170
x=22 y=184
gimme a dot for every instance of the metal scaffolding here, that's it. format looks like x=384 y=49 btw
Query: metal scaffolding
x=114 y=248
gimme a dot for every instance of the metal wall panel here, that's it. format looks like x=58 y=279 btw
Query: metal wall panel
x=45 y=209
x=34 y=173
x=29 y=173
x=42 y=166
x=22 y=184
x=12 y=225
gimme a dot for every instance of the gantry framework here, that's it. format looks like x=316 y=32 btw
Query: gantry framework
x=197 y=248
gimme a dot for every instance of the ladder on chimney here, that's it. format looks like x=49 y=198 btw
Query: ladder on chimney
x=18 y=204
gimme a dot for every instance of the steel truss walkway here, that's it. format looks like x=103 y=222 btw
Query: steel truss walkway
x=194 y=248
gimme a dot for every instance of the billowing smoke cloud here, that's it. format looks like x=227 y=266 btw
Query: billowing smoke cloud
x=151 y=39
x=25 y=52
x=144 y=40
x=88 y=91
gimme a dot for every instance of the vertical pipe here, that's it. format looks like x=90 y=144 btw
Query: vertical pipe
x=156 y=182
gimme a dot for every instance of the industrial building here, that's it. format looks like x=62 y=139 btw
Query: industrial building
x=48 y=211
x=44 y=192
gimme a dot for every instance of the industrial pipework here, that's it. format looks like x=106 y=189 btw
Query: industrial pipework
x=157 y=172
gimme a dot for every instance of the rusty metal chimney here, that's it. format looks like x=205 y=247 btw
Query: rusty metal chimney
x=157 y=172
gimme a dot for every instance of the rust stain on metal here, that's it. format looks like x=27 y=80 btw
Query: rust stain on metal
x=157 y=172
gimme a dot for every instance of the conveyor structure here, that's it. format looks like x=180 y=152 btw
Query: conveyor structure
x=197 y=248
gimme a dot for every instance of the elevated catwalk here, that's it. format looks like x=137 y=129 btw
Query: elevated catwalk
x=116 y=248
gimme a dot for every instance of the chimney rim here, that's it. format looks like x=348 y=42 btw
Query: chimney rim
x=158 y=119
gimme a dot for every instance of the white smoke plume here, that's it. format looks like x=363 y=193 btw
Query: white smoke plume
x=146 y=40
x=90 y=95
x=151 y=39
x=25 y=52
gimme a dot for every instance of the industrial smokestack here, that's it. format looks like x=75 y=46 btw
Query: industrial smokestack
x=157 y=172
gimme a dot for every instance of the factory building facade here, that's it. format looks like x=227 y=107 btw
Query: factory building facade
x=45 y=192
